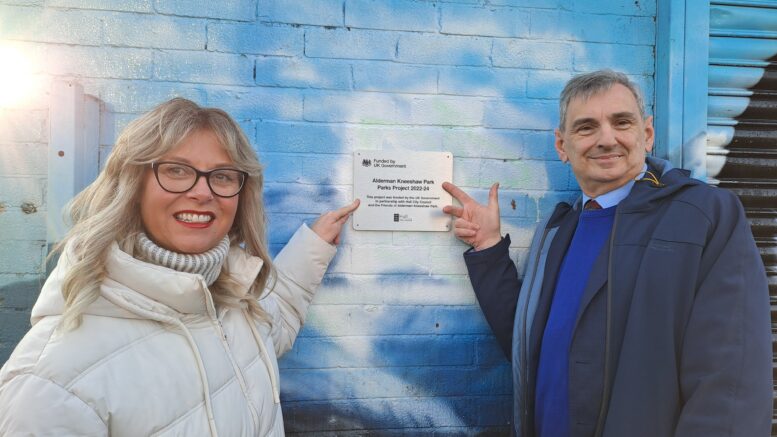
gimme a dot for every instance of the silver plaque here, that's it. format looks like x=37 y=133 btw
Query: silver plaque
x=401 y=190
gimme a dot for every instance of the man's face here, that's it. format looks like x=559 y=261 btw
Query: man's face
x=605 y=140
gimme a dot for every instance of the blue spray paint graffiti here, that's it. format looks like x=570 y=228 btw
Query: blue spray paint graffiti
x=395 y=341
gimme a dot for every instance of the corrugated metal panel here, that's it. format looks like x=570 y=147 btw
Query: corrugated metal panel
x=742 y=118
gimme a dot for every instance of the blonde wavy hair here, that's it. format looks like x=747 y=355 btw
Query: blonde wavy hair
x=107 y=210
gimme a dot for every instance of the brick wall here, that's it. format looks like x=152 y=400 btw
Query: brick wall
x=395 y=341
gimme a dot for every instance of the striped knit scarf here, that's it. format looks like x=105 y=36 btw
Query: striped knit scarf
x=208 y=264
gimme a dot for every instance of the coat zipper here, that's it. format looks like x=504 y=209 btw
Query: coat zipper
x=607 y=336
x=238 y=373
x=525 y=348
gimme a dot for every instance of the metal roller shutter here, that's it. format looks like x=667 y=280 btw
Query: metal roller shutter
x=742 y=119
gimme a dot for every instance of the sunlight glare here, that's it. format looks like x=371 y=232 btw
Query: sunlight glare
x=16 y=76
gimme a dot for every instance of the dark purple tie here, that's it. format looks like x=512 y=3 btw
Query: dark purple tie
x=592 y=204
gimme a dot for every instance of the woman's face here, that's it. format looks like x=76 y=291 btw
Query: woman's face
x=194 y=221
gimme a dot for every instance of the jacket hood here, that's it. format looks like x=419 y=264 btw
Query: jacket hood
x=137 y=289
x=659 y=182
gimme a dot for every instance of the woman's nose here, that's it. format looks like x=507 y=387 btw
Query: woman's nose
x=200 y=191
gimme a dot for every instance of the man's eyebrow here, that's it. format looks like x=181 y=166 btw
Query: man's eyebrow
x=624 y=114
x=582 y=121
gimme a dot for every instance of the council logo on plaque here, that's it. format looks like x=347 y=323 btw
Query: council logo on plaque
x=401 y=190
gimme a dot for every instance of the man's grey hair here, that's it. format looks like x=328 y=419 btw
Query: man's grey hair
x=589 y=84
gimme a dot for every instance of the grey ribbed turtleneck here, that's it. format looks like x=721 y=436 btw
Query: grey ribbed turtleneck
x=208 y=264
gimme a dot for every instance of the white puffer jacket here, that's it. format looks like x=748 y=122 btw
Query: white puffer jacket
x=155 y=357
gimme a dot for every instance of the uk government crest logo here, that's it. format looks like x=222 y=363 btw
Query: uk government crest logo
x=366 y=162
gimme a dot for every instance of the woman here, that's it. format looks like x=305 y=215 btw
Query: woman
x=165 y=314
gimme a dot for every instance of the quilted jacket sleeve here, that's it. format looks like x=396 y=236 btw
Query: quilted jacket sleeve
x=30 y=405
x=300 y=267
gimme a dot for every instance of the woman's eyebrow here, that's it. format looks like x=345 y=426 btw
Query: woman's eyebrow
x=183 y=160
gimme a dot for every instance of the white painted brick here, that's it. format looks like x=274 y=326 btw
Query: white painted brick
x=243 y=10
x=19 y=291
x=536 y=175
x=446 y=260
x=521 y=230
x=354 y=238
x=444 y=111
x=22 y=256
x=397 y=289
x=344 y=320
x=350 y=107
x=19 y=225
x=422 y=138
x=523 y=53
x=520 y=114
x=350 y=44
x=108 y=5
x=483 y=81
x=327 y=169
x=550 y=4
x=303 y=73
x=499 y=143
x=113 y=62
x=394 y=15
x=111 y=125
x=397 y=259
x=484 y=21
x=446 y=239
x=203 y=67
x=305 y=199
x=127 y=96
x=392 y=77
x=50 y=25
x=23 y=126
x=25 y=159
x=282 y=167
x=154 y=31
x=17 y=190
x=544 y=84
x=466 y=171
x=318 y=13
x=253 y=103
x=443 y=49
x=615 y=7
x=638 y=60
x=258 y=39
x=593 y=28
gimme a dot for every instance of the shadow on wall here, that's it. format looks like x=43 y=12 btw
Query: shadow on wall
x=374 y=357
x=16 y=300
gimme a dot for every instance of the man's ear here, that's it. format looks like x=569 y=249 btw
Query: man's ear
x=650 y=134
x=559 y=145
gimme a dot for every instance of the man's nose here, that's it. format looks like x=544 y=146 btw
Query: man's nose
x=607 y=137
x=200 y=191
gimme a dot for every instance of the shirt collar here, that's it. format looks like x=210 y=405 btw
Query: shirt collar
x=612 y=198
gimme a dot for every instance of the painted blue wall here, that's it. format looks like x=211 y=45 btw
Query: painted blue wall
x=395 y=340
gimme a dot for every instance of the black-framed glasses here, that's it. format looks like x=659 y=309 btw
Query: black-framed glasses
x=175 y=177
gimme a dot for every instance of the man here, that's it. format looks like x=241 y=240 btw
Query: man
x=644 y=307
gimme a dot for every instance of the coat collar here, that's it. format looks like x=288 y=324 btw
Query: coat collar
x=131 y=284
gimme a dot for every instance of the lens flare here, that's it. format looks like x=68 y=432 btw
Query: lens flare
x=16 y=76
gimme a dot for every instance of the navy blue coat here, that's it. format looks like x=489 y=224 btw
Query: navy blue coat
x=673 y=333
